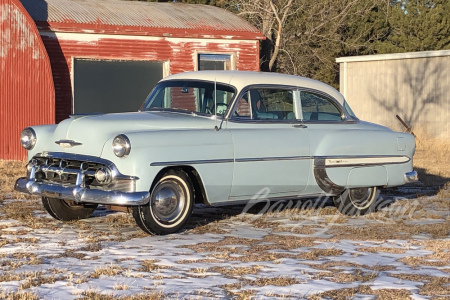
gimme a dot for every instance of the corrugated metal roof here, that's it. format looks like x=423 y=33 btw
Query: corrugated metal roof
x=136 y=17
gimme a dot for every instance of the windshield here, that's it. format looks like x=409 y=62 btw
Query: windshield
x=192 y=96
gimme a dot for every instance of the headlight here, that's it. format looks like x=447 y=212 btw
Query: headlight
x=28 y=138
x=121 y=145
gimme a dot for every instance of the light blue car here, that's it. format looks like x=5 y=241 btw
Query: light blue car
x=215 y=137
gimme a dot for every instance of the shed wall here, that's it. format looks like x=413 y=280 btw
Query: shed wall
x=416 y=89
x=26 y=85
x=180 y=54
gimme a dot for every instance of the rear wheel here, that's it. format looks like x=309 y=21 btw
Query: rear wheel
x=357 y=201
x=66 y=210
x=170 y=206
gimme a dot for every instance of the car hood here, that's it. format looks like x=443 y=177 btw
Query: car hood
x=91 y=132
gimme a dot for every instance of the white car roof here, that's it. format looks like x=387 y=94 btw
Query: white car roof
x=241 y=79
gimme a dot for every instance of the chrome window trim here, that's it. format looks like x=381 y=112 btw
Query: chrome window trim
x=269 y=121
x=229 y=115
x=142 y=108
x=347 y=119
x=336 y=103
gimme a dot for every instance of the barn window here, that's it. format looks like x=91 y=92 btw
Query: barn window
x=215 y=62
x=109 y=86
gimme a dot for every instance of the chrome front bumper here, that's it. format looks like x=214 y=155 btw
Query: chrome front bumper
x=80 y=194
x=411 y=177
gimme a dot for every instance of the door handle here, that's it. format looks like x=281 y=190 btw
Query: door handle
x=299 y=126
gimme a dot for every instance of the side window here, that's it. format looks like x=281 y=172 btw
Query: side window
x=214 y=62
x=318 y=108
x=266 y=104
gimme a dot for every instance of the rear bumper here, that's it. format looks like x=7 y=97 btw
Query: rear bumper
x=80 y=194
x=411 y=177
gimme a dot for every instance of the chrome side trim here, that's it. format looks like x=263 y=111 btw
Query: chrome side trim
x=329 y=161
x=225 y=160
x=322 y=163
x=272 y=158
x=361 y=160
x=190 y=162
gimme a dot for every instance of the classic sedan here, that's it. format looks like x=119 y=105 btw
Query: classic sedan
x=220 y=138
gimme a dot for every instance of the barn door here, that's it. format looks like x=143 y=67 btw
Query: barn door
x=108 y=86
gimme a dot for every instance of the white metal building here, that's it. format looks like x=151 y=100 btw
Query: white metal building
x=414 y=86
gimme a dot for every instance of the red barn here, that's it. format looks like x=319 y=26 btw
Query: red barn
x=27 y=95
x=106 y=56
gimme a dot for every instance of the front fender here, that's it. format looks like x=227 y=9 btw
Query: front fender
x=208 y=151
x=44 y=138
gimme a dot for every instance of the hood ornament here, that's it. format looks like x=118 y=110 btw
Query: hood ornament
x=68 y=143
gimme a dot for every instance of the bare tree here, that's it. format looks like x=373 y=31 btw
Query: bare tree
x=306 y=36
x=269 y=16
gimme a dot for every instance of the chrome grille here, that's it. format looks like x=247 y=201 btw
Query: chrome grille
x=65 y=172
x=68 y=170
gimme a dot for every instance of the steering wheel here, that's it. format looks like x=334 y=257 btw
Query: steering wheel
x=221 y=107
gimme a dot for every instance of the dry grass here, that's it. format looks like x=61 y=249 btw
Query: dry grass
x=120 y=219
x=150 y=265
x=236 y=271
x=18 y=296
x=432 y=160
x=349 y=293
x=213 y=227
x=17 y=260
x=120 y=287
x=110 y=270
x=242 y=295
x=440 y=256
x=383 y=249
x=10 y=170
x=334 y=265
x=38 y=279
x=394 y=230
x=9 y=276
x=315 y=254
x=94 y=295
x=264 y=281
x=433 y=286
x=357 y=275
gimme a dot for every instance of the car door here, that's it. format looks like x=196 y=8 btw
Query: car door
x=271 y=146
x=341 y=151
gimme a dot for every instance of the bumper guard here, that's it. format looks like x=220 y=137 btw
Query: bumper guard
x=411 y=177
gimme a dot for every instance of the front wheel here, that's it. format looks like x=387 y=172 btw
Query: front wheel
x=357 y=201
x=67 y=210
x=170 y=206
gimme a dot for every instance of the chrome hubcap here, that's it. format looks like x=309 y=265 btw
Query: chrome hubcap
x=167 y=202
x=361 y=197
